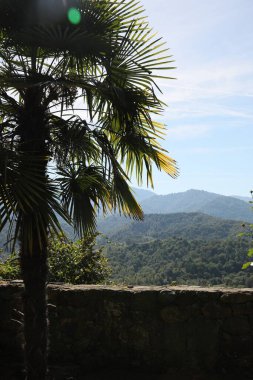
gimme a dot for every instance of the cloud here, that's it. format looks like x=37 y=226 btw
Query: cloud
x=219 y=79
x=203 y=110
x=187 y=131
x=213 y=52
x=216 y=89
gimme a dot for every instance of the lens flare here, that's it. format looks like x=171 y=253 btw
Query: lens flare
x=74 y=16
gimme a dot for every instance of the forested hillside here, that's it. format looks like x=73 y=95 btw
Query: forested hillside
x=180 y=261
x=162 y=226
x=186 y=248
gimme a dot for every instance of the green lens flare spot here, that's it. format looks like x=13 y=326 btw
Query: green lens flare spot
x=74 y=16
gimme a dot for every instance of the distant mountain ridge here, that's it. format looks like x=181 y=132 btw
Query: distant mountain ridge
x=142 y=194
x=192 y=226
x=245 y=199
x=221 y=206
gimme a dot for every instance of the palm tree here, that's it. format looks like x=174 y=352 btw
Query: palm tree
x=77 y=92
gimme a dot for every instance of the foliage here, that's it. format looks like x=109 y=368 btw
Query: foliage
x=77 y=262
x=248 y=234
x=189 y=248
x=189 y=226
x=160 y=262
x=9 y=267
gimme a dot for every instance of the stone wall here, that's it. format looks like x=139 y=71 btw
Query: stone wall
x=149 y=329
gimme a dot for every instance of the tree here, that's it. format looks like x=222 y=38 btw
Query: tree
x=79 y=262
x=9 y=267
x=76 y=103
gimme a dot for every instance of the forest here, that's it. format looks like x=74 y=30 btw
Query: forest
x=179 y=261
x=180 y=248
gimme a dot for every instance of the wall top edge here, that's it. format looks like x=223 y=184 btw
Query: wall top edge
x=135 y=289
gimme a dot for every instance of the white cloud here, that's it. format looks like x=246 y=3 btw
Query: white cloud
x=216 y=89
x=203 y=110
x=181 y=132
x=219 y=79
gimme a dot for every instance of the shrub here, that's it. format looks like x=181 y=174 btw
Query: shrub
x=77 y=262
x=9 y=267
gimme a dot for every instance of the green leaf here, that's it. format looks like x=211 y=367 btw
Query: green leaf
x=247 y=265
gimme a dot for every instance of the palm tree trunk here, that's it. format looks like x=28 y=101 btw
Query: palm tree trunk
x=33 y=238
x=34 y=271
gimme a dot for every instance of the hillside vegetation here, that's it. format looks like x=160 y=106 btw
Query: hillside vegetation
x=185 y=248
x=163 y=262
x=161 y=226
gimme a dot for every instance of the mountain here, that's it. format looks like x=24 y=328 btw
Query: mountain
x=245 y=199
x=141 y=194
x=199 y=201
x=162 y=226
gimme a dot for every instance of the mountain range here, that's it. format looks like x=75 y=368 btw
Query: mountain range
x=226 y=207
x=184 y=216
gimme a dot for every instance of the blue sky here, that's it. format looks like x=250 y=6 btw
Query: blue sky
x=210 y=105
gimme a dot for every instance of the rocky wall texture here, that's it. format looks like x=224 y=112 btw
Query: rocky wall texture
x=151 y=329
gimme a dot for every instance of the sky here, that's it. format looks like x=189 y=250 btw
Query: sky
x=210 y=103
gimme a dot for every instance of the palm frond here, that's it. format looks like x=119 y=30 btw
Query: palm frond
x=71 y=139
x=24 y=195
x=139 y=149
x=84 y=190
x=123 y=199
